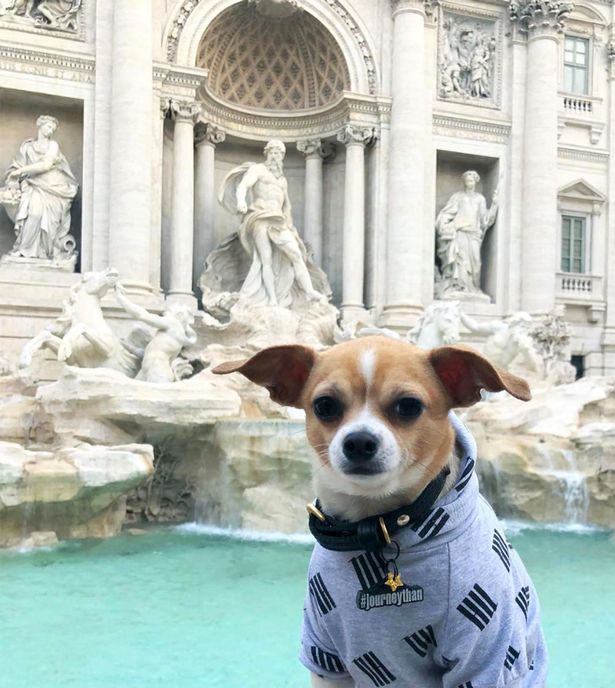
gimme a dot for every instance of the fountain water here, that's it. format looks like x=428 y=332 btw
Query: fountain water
x=551 y=489
x=574 y=490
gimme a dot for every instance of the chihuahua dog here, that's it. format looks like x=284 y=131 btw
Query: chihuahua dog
x=412 y=582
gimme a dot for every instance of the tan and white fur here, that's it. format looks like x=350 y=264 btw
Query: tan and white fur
x=377 y=417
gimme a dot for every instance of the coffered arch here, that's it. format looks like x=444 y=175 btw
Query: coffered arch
x=192 y=18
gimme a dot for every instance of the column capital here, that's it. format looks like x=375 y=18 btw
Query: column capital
x=425 y=7
x=183 y=110
x=311 y=147
x=542 y=17
x=209 y=134
x=353 y=135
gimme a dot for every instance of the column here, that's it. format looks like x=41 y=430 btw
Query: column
x=354 y=138
x=542 y=22
x=130 y=142
x=97 y=255
x=207 y=137
x=608 y=339
x=312 y=149
x=182 y=209
x=407 y=232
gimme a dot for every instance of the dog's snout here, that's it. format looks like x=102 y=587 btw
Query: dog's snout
x=360 y=446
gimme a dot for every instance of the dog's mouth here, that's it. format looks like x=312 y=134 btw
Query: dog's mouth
x=363 y=470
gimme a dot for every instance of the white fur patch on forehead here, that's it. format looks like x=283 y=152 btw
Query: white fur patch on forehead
x=367 y=363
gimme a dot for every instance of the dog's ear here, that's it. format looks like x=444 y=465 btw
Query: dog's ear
x=464 y=372
x=283 y=370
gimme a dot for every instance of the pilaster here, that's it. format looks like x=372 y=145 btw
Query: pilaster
x=184 y=114
x=542 y=22
x=355 y=139
x=314 y=151
x=206 y=138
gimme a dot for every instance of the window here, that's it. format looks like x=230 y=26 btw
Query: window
x=579 y=365
x=574 y=243
x=576 y=65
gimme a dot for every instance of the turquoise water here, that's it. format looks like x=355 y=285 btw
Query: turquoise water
x=194 y=610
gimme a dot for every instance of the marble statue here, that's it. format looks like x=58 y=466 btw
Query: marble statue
x=357 y=328
x=467 y=58
x=552 y=338
x=54 y=14
x=509 y=341
x=260 y=286
x=278 y=273
x=437 y=326
x=81 y=337
x=38 y=195
x=162 y=361
x=460 y=229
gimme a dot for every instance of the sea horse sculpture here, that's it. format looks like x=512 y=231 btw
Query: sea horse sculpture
x=81 y=337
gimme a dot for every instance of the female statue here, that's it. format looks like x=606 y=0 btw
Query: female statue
x=44 y=189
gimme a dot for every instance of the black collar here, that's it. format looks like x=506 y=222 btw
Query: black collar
x=373 y=533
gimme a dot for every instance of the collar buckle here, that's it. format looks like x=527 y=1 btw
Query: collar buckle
x=313 y=510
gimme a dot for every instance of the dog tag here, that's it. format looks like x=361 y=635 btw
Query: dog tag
x=393 y=581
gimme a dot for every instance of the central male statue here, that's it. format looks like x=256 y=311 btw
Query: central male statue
x=259 y=192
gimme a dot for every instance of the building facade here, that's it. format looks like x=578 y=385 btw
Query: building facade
x=382 y=105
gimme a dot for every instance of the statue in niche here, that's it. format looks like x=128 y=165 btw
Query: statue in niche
x=460 y=229
x=274 y=269
x=467 y=58
x=53 y=14
x=81 y=337
x=38 y=195
x=162 y=361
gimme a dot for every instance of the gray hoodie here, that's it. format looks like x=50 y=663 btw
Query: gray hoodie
x=466 y=617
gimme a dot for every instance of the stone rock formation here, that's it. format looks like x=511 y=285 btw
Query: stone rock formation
x=76 y=492
x=551 y=459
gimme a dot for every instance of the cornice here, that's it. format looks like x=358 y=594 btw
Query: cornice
x=567 y=153
x=59 y=65
x=471 y=128
x=355 y=109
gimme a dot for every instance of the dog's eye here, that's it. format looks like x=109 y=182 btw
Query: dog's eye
x=327 y=408
x=408 y=408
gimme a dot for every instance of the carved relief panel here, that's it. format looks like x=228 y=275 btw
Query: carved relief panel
x=470 y=56
x=40 y=16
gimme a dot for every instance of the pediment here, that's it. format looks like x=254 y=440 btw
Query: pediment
x=584 y=12
x=581 y=190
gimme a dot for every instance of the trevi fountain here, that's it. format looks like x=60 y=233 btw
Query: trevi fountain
x=136 y=429
x=186 y=182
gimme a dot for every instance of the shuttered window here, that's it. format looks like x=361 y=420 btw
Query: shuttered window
x=574 y=240
x=576 y=65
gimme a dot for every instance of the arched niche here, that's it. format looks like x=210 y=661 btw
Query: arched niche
x=190 y=21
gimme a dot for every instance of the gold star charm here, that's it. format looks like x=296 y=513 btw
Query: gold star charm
x=394 y=582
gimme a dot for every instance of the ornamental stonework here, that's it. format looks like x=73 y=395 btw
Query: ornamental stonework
x=540 y=16
x=288 y=64
x=470 y=58
x=64 y=17
x=427 y=6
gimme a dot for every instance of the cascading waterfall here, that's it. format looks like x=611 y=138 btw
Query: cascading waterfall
x=574 y=490
x=566 y=493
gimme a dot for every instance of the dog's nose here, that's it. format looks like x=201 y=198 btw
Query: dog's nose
x=360 y=446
